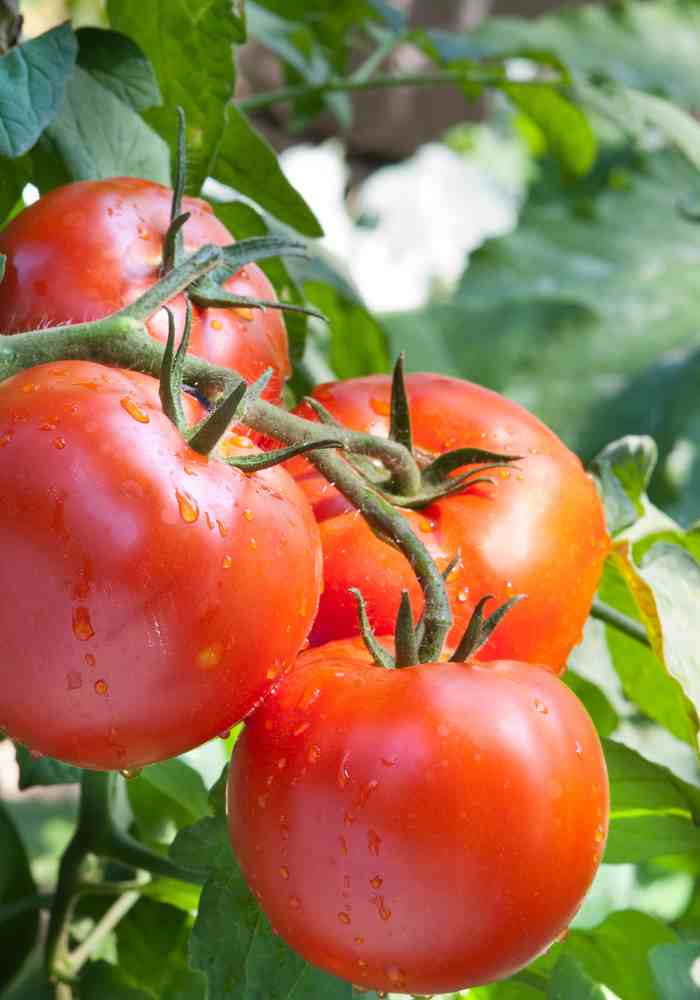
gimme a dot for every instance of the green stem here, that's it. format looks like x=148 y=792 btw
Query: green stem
x=623 y=623
x=375 y=59
x=383 y=81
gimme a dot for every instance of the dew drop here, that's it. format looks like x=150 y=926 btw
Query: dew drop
x=253 y=544
x=389 y=761
x=349 y=818
x=540 y=707
x=5 y=439
x=90 y=659
x=344 y=917
x=82 y=626
x=207 y=518
x=284 y=829
x=130 y=772
x=282 y=763
x=241 y=442
x=344 y=846
x=314 y=754
x=380 y=406
x=374 y=842
x=520 y=477
x=579 y=749
x=262 y=801
x=361 y=964
x=189 y=511
x=309 y=696
x=284 y=872
x=382 y=909
x=366 y=791
x=301 y=728
x=225 y=734
x=216 y=324
x=134 y=411
x=248 y=514
x=74 y=680
x=294 y=902
x=223 y=530
x=360 y=940
x=209 y=657
x=377 y=882
x=396 y=976
x=226 y=562
x=343 y=772
x=244 y=313
x=60 y=443
x=599 y=835
x=101 y=687
x=462 y=595
x=504 y=473
x=425 y=525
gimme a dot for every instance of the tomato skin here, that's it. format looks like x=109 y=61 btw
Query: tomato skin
x=89 y=248
x=418 y=830
x=143 y=609
x=539 y=530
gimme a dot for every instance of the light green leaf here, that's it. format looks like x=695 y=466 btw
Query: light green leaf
x=569 y=135
x=570 y=982
x=624 y=470
x=246 y=163
x=33 y=78
x=672 y=969
x=189 y=43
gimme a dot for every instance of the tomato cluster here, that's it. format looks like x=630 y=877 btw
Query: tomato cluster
x=419 y=829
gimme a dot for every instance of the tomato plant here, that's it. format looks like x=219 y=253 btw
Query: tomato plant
x=420 y=829
x=147 y=611
x=89 y=248
x=537 y=529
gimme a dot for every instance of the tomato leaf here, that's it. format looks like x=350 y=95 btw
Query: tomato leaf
x=33 y=79
x=102 y=981
x=571 y=982
x=120 y=143
x=17 y=934
x=595 y=702
x=165 y=793
x=117 y=63
x=255 y=962
x=246 y=163
x=568 y=133
x=671 y=966
x=190 y=44
x=652 y=811
x=624 y=469
x=43 y=770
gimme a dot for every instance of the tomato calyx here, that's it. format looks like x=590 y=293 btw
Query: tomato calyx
x=478 y=631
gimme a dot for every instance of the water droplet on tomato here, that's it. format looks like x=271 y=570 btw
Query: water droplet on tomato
x=187 y=505
x=225 y=734
x=463 y=595
x=396 y=976
x=366 y=791
x=294 y=902
x=90 y=659
x=380 y=406
x=60 y=443
x=248 y=514
x=599 y=835
x=244 y=313
x=301 y=728
x=389 y=761
x=359 y=940
x=134 y=411
x=216 y=324
x=284 y=830
x=35 y=754
x=344 y=846
x=207 y=518
x=309 y=696
x=226 y=562
x=209 y=657
x=5 y=439
x=377 y=882
x=374 y=842
x=504 y=473
x=101 y=687
x=82 y=626
x=344 y=917
x=343 y=771
x=284 y=871
x=425 y=525
x=540 y=707
x=253 y=543
x=579 y=749
x=314 y=754
x=382 y=909
x=74 y=680
x=130 y=772
x=223 y=530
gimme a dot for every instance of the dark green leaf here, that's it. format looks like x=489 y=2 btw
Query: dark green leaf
x=14 y=174
x=119 y=65
x=570 y=982
x=152 y=949
x=189 y=43
x=217 y=794
x=96 y=135
x=624 y=469
x=102 y=981
x=169 y=792
x=671 y=967
x=203 y=847
x=595 y=702
x=43 y=770
x=33 y=78
x=17 y=935
x=567 y=130
x=246 y=163
x=652 y=812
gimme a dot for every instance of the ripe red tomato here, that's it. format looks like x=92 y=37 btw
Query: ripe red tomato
x=539 y=531
x=143 y=607
x=418 y=830
x=90 y=248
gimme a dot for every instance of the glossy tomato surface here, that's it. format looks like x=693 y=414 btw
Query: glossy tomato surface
x=89 y=248
x=418 y=830
x=143 y=607
x=538 y=530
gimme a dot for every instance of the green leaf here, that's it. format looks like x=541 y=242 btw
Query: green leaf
x=43 y=770
x=624 y=469
x=246 y=163
x=152 y=949
x=183 y=895
x=33 y=79
x=671 y=967
x=17 y=934
x=203 y=847
x=117 y=63
x=675 y=123
x=595 y=701
x=102 y=981
x=217 y=794
x=571 y=982
x=652 y=811
x=189 y=43
x=615 y=952
x=14 y=174
x=119 y=142
x=171 y=791
x=566 y=128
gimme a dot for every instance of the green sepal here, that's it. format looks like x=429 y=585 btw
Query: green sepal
x=237 y=255
x=209 y=431
x=405 y=635
x=442 y=466
x=479 y=631
x=325 y=416
x=209 y=295
x=446 y=488
x=172 y=242
x=400 y=420
x=267 y=459
x=171 y=371
x=381 y=656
